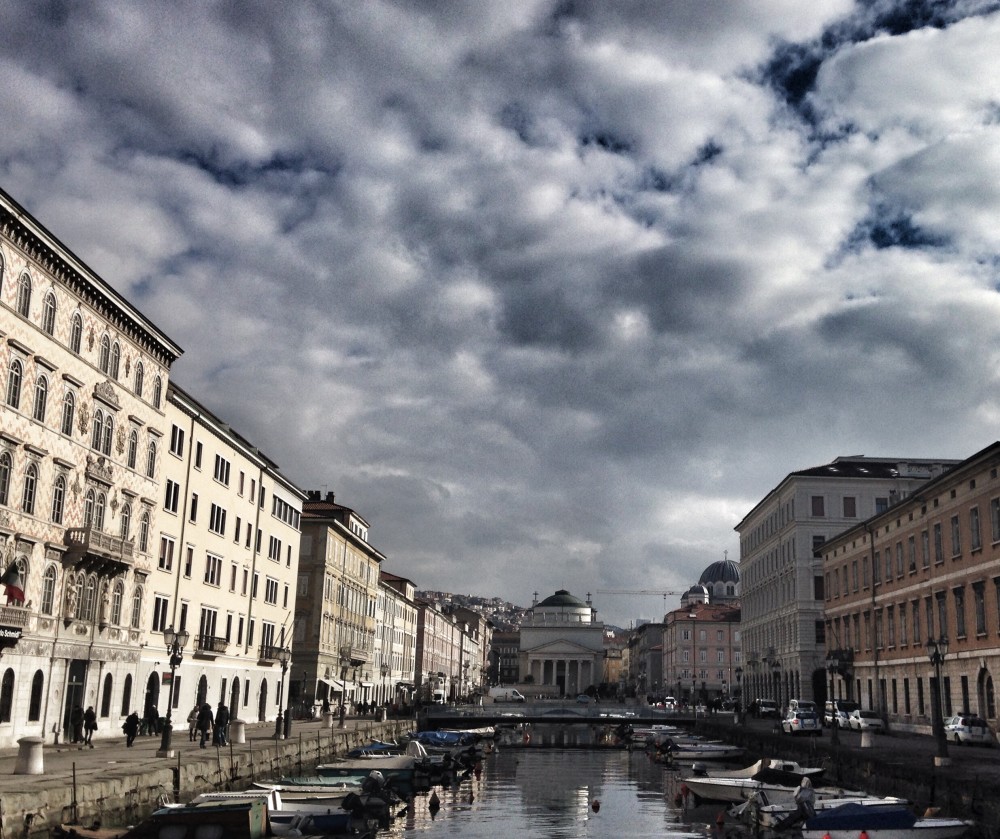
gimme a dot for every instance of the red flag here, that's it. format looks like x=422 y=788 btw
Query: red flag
x=11 y=581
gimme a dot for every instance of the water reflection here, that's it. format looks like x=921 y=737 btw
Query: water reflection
x=551 y=793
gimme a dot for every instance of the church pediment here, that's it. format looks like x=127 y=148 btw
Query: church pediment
x=561 y=647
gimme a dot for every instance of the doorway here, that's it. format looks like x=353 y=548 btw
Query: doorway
x=76 y=681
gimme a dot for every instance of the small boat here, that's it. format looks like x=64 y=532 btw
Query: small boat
x=670 y=751
x=767 y=770
x=778 y=817
x=246 y=819
x=735 y=790
x=399 y=771
x=888 y=821
x=295 y=798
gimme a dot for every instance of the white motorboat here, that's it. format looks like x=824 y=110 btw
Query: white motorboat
x=672 y=751
x=324 y=798
x=759 y=813
x=888 y=821
x=768 y=770
x=735 y=790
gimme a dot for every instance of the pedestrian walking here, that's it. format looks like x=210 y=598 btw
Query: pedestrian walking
x=131 y=728
x=89 y=725
x=76 y=721
x=221 y=734
x=205 y=722
x=152 y=720
x=193 y=722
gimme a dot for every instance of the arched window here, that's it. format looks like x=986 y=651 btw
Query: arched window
x=116 y=358
x=58 y=499
x=28 y=490
x=136 y=607
x=99 y=508
x=68 y=412
x=139 y=376
x=88 y=508
x=24 y=295
x=35 y=702
x=127 y=696
x=106 y=696
x=49 y=314
x=109 y=430
x=6 y=695
x=6 y=466
x=133 y=448
x=104 y=359
x=151 y=460
x=14 y=376
x=126 y=520
x=76 y=333
x=98 y=436
x=144 y=533
x=89 y=602
x=157 y=392
x=48 y=590
x=41 y=398
x=117 y=597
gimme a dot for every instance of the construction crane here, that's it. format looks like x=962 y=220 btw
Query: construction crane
x=641 y=592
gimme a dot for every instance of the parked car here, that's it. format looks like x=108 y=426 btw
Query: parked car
x=840 y=710
x=966 y=728
x=801 y=705
x=583 y=699
x=860 y=720
x=802 y=722
x=766 y=708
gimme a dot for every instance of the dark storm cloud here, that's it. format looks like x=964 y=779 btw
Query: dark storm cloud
x=552 y=293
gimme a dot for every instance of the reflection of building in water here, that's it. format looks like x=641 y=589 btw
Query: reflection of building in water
x=562 y=644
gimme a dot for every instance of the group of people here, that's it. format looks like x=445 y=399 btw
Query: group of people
x=201 y=721
x=84 y=724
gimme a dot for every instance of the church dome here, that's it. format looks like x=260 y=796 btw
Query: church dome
x=723 y=571
x=563 y=599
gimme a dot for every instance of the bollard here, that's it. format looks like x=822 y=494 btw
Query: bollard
x=867 y=739
x=327 y=719
x=29 y=757
x=237 y=732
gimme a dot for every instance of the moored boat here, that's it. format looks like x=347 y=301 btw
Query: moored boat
x=888 y=821
x=767 y=770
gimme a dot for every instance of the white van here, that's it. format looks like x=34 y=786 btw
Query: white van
x=437 y=697
x=506 y=695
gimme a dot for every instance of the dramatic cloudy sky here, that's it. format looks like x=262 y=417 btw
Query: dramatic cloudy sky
x=551 y=292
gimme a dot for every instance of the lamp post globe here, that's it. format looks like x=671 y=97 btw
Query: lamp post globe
x=283 y=724
x=174 y=642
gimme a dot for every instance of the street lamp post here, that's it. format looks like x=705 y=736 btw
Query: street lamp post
x=739 y=692
x=833 y=666
x=385 y=672
x=283 y=725
x=175 y=642
x=937 y=649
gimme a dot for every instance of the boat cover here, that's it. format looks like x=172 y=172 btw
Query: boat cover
x=853 y=816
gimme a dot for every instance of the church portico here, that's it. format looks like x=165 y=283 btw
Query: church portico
x=562 y=645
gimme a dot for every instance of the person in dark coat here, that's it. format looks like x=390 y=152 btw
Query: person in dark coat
x=76 y=720
x=131 y=728
x=205 y=722
x=221 y=735
x=89 y=725
x=152 y=720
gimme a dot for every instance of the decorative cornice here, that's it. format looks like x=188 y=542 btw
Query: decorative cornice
x=105 y=391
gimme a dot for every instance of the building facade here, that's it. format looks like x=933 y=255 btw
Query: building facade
x=397 y=639
x=702 y=653
x=562 y=644
x=781 y=576
x=926 y=568
x=338 y=594
x=227 y=552
x=81 y=430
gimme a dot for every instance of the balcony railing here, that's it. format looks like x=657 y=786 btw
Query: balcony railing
x=212 y=644
x=14 y=616
x=97 y=551
x=269 y=652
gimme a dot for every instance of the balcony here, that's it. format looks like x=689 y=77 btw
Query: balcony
x=269 y=652
x=210 y=645
x=95 y=551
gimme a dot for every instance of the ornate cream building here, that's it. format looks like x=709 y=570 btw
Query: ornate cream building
x=562 y=644
x=82 y=428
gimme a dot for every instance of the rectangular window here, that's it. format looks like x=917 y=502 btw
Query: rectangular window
x=956 y=537
x=229 y=628
x=881 y=505
x=938 y=544
x=979 y=597
x=237 y=530
x=899 y=560
x=213 y=570
x=942 y=616
x=271 y=591
x=188 y=561
x=850 y=507
x=232 y=578
x=891 y=623
x=911 y=551
x=903 y=635
x=925 y=548
x=915 y=614
x=171 y=496
x=161 y=613
x=995 y=519
x=816 y=506
x=877 y=567
x=207 y=623
x=166 y=562
x=222 y=467
x=854 y=575
x=959 y=596
x=274 y=549
x=177 y=441
x=197 y=455
x=217 y=520
x=194 y=506
x=253 y=587
x=929 y=615
x=284 y=600
x=239 y=635
x=243 y=478
x=975 y=536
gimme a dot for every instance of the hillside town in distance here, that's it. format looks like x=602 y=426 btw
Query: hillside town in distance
x=154 y=560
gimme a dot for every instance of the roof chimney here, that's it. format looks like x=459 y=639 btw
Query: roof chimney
x=329 y=497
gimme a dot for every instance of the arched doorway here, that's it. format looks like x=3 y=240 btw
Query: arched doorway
x=202 y=691
x=262 y=702
x=152 y=699
x=985 y=696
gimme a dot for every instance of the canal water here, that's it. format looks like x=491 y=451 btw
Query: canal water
x=534 y=793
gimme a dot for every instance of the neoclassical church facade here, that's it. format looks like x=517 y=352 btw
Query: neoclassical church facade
x=562 y=644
